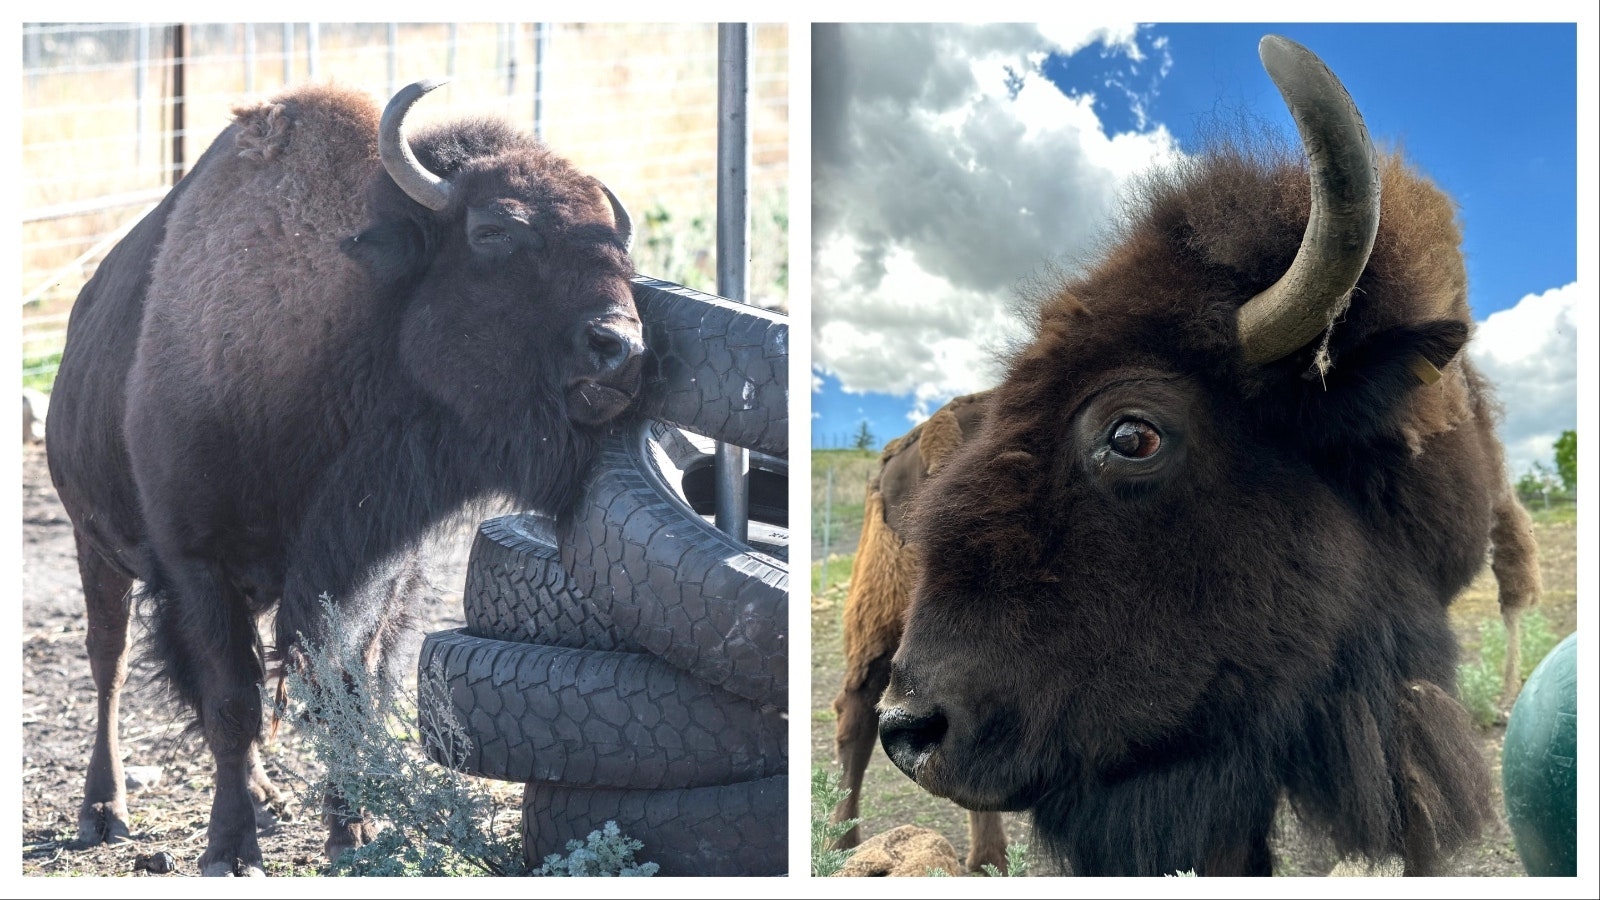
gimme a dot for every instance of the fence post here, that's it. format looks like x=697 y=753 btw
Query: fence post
x=179 y=49
x=541 y=47
x=733 y=240
x=827 y=527
x=141 y=72
x=288 y=53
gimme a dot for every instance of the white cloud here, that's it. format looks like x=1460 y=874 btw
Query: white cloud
x=946 y=168
x=1530 y=353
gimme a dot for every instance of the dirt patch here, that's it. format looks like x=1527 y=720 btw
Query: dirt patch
x=889 y=799
x=58 y=717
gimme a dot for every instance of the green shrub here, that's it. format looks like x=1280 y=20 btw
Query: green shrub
x=362 y=730
x=1016 y=863
x=1480 y=682
x=826 y=792
x=608 y=852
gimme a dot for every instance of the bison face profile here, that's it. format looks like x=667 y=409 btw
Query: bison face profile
x=512 y=268
x=1198 y=556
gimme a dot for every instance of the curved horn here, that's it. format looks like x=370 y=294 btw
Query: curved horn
x=412 y=177
x=620 y=213
x=1345 y=188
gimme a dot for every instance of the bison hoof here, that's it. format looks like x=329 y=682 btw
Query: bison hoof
x=237 y=868
x=342 y=837
x=270 y=813
x=102 y=823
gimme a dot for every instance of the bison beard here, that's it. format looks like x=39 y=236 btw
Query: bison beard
x=1193 y=564
x=300 y=362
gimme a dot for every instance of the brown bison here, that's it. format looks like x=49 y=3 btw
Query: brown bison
x=874 y=611
x=1198 y=557
x=324 y=341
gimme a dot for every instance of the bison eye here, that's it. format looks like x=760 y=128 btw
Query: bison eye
x=491 y=236
x=1135 y=439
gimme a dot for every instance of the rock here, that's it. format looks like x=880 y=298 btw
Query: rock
x=137 y=778
x=909 y=850
x=34 y=406
x=159 y=863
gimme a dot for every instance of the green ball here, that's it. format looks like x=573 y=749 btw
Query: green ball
x=1539 y=768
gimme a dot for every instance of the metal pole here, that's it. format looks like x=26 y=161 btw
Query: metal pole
x=733 y=241
x=394 y=62
x=249 y=58
x=541 y=47
x=509 y=36
x=288 y=52
x=179 y=34
x=312 y=47
x=140 y=73
x=450 y=55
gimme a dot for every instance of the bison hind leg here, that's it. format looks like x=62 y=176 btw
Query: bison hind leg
x=103 y=816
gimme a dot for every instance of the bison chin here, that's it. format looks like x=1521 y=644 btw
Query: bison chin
x=592 y=403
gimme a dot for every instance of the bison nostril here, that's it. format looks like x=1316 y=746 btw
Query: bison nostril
x=612 y=349
x=909 y=737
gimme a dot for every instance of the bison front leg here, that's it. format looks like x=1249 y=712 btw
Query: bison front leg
x=854 y=736
x=103 y=817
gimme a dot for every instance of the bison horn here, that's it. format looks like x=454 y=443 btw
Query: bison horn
x=620 y=213
x=410 y=175
x=1345 y=188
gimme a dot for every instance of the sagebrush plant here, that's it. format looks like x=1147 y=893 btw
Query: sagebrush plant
x=1016 y=863
x=1480 y=682
x=826 y=792
x=363 y=731
x=607 y=852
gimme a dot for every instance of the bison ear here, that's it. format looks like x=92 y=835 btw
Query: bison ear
x=392 y=251
x=1369 y=382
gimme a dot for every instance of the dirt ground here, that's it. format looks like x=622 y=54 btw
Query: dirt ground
x=889 y=799
x=58 y=714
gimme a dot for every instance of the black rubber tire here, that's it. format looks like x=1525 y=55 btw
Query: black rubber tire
x=671 y=582
x=736 y=829
x=517 y=591
x=719 y=368
x=588 y=717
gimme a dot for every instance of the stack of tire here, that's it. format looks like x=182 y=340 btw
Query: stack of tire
x=630 y=662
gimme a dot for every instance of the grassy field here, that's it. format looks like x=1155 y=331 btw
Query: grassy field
x=890 y=799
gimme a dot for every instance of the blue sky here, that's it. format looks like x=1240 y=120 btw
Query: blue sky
x=1062 y=117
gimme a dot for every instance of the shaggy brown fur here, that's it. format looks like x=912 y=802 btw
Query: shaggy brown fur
x=1163 y=588
x=880 y=590
x=289 y=372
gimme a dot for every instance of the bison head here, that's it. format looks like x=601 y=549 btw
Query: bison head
x=1194 y=557
x=509 y=270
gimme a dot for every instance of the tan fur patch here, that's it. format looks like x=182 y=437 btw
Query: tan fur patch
x=880 y=591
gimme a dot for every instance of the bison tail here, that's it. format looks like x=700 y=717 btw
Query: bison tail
x=1516 y=569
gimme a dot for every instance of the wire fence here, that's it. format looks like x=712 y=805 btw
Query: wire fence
x=112 y=114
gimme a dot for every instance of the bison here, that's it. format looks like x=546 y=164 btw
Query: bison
x=874 y=609
x=325 y=340
x=1199 y=555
